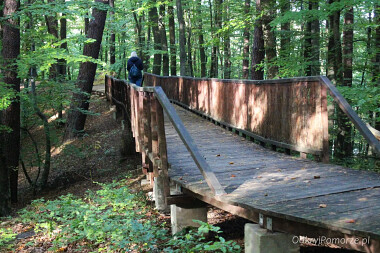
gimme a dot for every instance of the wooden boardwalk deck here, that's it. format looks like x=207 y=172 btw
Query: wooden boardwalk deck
x=301 y=196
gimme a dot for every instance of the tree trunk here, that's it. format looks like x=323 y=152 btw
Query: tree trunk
x=258 y=51
x=182 y=39
x=164 y=41
x=202 y=54
x=52 y=25
x=376 y=69
x=270 y=38
x=157 y=59
x=315 y=67
x=348 y=50
x=226 y=43
x=113 y=36
x=189 y=51
x=285 y=30
x=247 y=26
x=80 y=102
x=11 y=115
x=173 y=47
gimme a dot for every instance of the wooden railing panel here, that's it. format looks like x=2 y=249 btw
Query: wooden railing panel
x=286 y=111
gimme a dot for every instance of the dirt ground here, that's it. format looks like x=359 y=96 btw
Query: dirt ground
x=96 y=157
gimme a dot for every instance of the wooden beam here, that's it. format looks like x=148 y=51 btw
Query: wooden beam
x=351 y=114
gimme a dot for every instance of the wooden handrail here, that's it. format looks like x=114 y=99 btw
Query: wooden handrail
x=201 y=163
x=351 y=114
x=209 y=176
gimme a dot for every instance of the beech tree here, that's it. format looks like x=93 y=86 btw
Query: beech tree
x=80 y=102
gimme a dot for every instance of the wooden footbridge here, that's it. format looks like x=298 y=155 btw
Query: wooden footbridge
x=219 y=141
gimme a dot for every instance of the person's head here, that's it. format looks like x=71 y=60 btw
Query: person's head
x=133 y=54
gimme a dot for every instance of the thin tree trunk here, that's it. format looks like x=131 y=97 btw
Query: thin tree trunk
x=189 y=51
x=113 y=36
x=86 y=25
x=258 y=51
x=62 y=62
x=270 y=38
x=285 y=30
x=247 y=26
x=182 y=40
x=52 y=25
x=11 y=115
x=202 y=54
x=348 y=50
x=376 y=69
x=226 y=43
x=164 y=41
x=214 y=60
x=80 y=102
x=173 y=47
x=315 y=41
x=153 y=18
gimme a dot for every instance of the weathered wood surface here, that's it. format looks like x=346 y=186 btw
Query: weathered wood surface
x=284 y=187
x=296 y=106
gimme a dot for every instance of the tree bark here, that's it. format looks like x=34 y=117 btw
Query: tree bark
x=226 y=43
x=157 y=59
x=315 y=68
x=164 y=41
x=52 y=25
x=173 y=47
x=285 y=30
x=348 y=49
x=182 y=40
x=11 y=115
x=258 y=51
x=202 y=54
x=247 y=26
x=270 y=38
x=80 y=102
x=376 y=69
x=113 y=37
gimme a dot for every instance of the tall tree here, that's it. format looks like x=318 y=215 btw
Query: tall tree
x=80 y=102
x=258 y=51
x=52 y=25
x=285 y=29
x=226 y=41
x=202 y=53
x=246 y=33
x=376 y=69
x=334 y=54
x=113 y=36
x=182 y=40
x=173 y=47
x=164 y=40
x=269 y=37
x=311 y=41
x=348 y=49
x=153 y=18
x=10 y=116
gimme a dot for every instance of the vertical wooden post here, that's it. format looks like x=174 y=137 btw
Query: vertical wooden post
x=162 y=148
x=153 y=116
x=325 y=124
x=147 y=137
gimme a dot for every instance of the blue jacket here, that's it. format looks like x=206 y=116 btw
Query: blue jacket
x=137 y=61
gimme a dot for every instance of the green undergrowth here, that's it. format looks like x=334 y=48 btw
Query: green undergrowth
x=111 y=219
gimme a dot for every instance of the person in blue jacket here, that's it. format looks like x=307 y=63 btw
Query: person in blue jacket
x=135 y=67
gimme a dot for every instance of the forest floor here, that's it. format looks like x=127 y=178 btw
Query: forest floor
x=95 y=157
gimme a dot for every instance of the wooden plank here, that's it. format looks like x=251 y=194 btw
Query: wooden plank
x=190 y=145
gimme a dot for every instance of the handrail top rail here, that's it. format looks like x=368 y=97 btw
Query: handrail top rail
x=248 y=81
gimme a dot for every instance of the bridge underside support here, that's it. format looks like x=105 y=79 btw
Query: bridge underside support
x=260 y=240
x=182 y=217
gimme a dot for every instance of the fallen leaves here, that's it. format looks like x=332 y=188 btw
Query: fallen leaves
x=322 y=205
x=233 y=175
x=317 y=177
x=231 y=162
x=350 y=221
